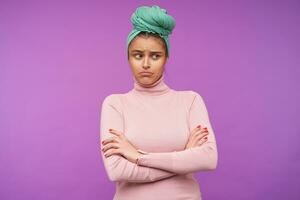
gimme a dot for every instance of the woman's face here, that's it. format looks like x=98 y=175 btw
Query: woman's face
x=147 y=55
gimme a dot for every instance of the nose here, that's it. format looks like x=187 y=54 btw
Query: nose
x=146 y=63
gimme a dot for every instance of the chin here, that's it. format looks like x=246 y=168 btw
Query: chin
x=145 y=80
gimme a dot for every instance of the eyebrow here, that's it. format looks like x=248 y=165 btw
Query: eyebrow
x=150 y=51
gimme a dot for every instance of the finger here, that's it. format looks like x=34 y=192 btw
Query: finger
x=201 y=132
x=196 y=134
x=197 y=128
x=111 y=152
x=110 y=139
x=116 y=132
x=107 y=140
x=109 y=146
x=200 y=137
x=202 y=141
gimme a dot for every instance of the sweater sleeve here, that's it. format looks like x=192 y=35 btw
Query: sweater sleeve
x=200 y=158
x=118 y=167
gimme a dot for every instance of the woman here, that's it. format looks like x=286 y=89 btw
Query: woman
x=153 y=138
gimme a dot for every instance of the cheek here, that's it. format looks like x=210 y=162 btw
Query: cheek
x=159 y=64
x=134 y=64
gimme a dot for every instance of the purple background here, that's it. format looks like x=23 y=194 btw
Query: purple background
x=59 y=59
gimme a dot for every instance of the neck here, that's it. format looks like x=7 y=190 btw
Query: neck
x=159 y=87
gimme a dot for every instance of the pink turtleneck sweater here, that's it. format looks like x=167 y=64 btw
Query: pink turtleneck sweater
x=158 y=120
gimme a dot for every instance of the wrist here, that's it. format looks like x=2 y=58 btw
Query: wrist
x=141 y=153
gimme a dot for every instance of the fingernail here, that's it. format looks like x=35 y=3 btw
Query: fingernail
x=110 y=129
x=205 y=138
x=198 y=126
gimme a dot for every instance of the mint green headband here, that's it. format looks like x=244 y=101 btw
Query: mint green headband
x=151 y=19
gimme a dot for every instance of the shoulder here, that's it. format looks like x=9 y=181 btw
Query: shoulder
x=191 y=98
x=189 y=95
x=112 y=99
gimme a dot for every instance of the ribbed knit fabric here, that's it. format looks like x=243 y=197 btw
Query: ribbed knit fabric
x=158 y=120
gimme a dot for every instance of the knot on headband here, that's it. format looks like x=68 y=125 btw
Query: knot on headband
x=151 y=19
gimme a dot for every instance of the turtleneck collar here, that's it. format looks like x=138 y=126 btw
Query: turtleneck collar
x=157 y=88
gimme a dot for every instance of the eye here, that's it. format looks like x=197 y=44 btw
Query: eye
x=156 y=56
x=137 y=56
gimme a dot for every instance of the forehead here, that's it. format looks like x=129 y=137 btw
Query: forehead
x=147 y=44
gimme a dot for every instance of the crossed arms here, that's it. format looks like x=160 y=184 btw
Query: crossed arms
x=157 y=166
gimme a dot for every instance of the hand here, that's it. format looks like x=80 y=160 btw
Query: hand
x=119 y=144
x=197 y=137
